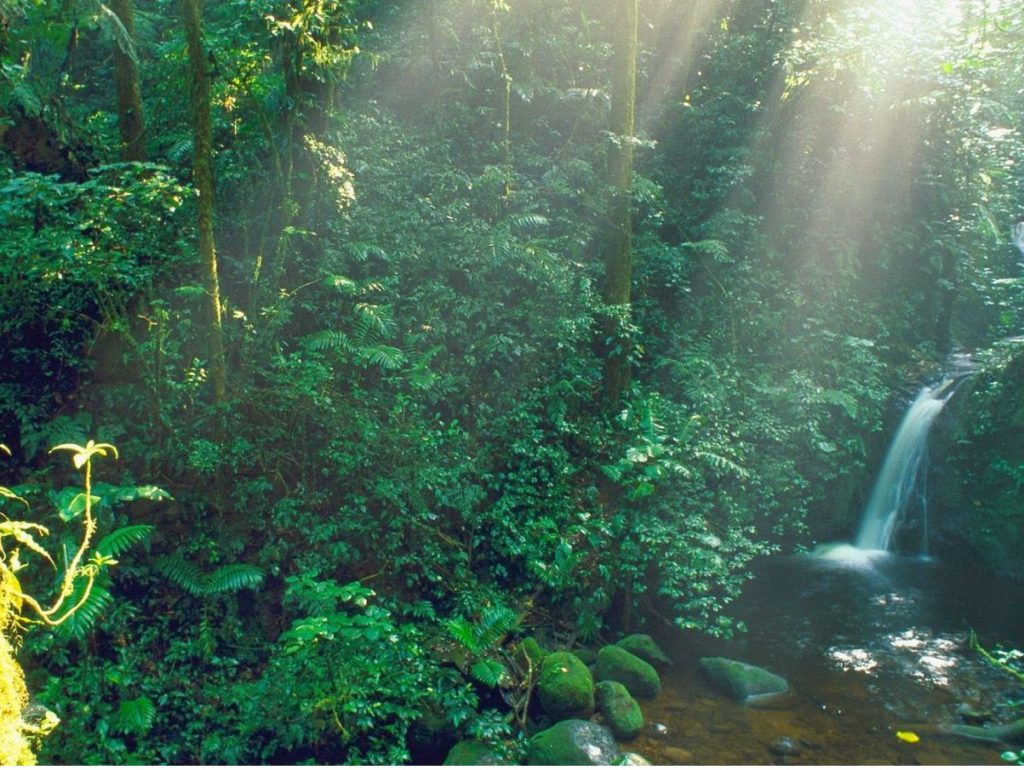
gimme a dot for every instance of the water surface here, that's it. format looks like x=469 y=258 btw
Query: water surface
x=870 y=645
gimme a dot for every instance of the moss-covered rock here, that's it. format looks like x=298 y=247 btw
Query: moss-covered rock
x=529 y=655
x=565 y=687
x=587 y=655
x=645 y=648
x=743 y=681
x=621 y=712
x=573 y=742
x=472 y=752
x=637 y=675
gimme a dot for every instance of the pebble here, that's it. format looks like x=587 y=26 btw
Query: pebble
x=785 y=746
x=677 y=756
x=656 y=728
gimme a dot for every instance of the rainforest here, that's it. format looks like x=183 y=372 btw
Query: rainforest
x=522 y=382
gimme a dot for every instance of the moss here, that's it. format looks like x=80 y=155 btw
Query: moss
x=621 y=712
x=472 y=752
x=565 y=687
x=618 y=665
x=741 y=680
x=529 y=655
x=645 y=648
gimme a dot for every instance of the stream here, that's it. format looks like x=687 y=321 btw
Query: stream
x=869 y=647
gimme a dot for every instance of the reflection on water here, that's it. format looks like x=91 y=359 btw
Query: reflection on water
x=869 y=645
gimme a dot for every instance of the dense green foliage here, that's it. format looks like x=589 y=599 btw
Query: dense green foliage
x=413 y=464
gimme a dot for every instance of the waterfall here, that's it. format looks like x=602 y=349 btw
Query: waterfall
x=899 y=477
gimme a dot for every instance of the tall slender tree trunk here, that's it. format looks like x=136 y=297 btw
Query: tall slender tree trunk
x=130 y=122
x=202 y=132
x=618 y=255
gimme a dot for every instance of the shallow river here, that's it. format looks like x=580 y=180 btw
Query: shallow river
x=868 y=649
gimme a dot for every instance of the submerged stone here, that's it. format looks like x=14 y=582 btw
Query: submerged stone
x=565 y=687
x=784 y=746
x=573 y=742
x=743 y=681
x=645 y=648
x=619 y=665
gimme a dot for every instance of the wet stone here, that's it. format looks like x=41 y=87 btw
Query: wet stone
x=658 y=729
x=784 y=746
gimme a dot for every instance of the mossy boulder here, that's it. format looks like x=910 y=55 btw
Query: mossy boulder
x=566 y=687
x=472 y=752
x=621 y=712
x=645 y=648
x=743 y=681
x=587 y=655
x=619 y=665
x=529 y=655
x=573 y=742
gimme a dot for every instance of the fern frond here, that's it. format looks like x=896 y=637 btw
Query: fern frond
x=384 y=356
x=715 y=249
x=183 y=574
x=461 y=631
x=120 y=540
x=82 y=621
x=723 y=464
x=363 y=251
x=494 y=624
x=328 y=339
x=488 y=671
x=527 y=221
x=136 y=716
x=371 y=318
x=233 y=577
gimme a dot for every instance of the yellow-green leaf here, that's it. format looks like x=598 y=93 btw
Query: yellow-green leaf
x=907 y=737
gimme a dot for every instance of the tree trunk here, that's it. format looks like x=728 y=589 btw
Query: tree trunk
x=202 y=132
x=126 y=79
x=618 y=249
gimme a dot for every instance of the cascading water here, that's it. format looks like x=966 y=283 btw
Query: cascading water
x=900 y=479
x=900 y=475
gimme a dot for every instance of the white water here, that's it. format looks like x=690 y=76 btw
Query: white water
x=898 y=479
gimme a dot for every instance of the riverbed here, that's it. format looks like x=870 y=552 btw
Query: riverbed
x=871 y=646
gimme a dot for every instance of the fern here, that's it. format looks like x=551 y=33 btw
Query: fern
x=227 y=579
x=328 y=339
x=120 y=540
x=384 y=356
x=136 y=716
x=715 y=249
x=462 y=631
x=495 y=623
x=82 y=621
x=489 y=671
x=527 y=221
x=233 y=577
x=183 y=574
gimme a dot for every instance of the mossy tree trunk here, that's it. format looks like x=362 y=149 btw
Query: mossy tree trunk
x=618 y=254
x=202 y=132
x=130 y=122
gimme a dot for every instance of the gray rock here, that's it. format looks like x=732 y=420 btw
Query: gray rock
x=572 y=742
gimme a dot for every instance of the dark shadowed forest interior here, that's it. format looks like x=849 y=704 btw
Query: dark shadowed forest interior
x=517 y=382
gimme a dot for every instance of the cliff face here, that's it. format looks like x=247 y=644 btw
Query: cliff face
x=976 y=479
